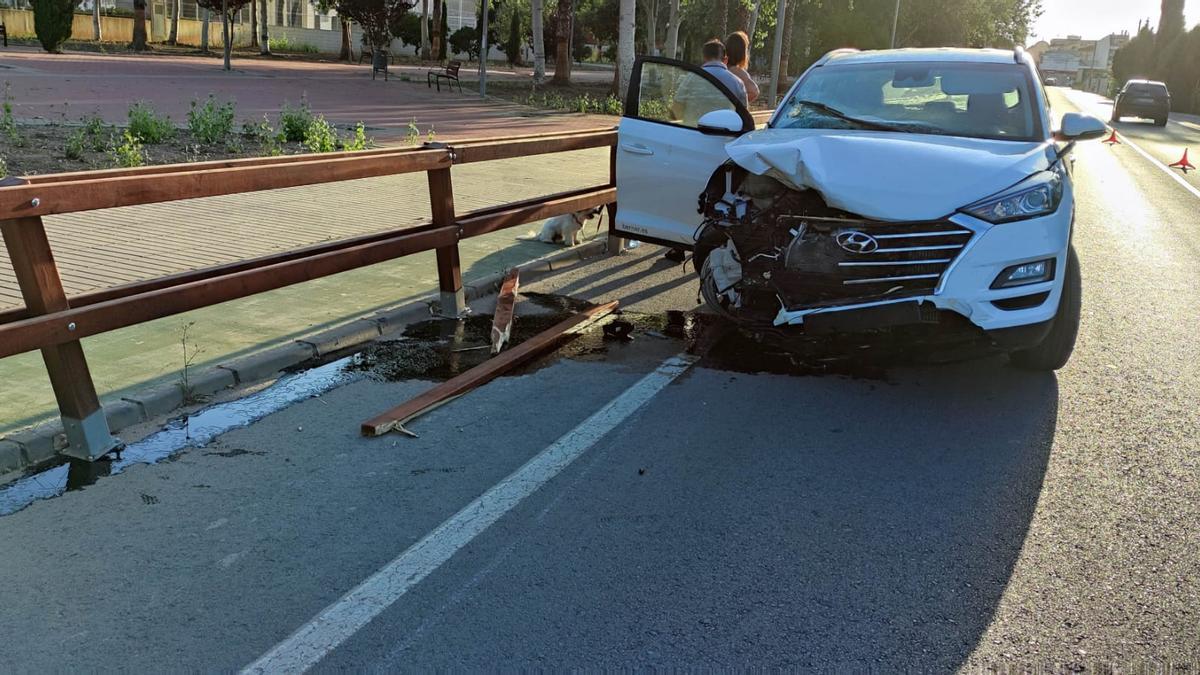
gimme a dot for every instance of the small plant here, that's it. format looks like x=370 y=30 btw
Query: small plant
x=265 y=135
x=320 y=135
x=75 y=144
x=233 y=146
x=413 y=135
x=613 y=106
x=294 y=122
x=190 y=352
x=210 y=122
x=94 y=132
x=147 y=126
x=359 y=141
x=8 y=123
x=129 y=152
x=3 y=168
x=285 y=44
x=429 y=137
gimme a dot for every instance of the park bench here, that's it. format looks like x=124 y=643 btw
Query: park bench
x=449 y=73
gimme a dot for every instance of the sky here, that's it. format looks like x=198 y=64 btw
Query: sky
x=1092 y=19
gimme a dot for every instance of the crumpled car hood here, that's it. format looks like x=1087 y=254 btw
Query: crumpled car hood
x=889 y=176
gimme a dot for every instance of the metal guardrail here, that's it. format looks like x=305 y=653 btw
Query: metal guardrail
x=54 y=323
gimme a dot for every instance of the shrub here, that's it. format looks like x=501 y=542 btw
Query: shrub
x=320 y=136
x=93 y=129
x=52 y=22
x=75 y=144
x=294 y=122
x=148 y=127
x=210 y=122
x=413 y=135
x=266 y=136
x=284 y=44
x=129 y=152
x=359 y=141
x=3 y=168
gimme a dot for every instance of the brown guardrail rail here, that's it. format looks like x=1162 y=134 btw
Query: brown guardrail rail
x=54 y=323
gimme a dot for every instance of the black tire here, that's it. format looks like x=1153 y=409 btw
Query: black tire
x=1160 y=121
x=1055 y=350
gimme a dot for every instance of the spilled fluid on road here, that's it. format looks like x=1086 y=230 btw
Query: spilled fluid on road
x=438 y=349
x=189 y=431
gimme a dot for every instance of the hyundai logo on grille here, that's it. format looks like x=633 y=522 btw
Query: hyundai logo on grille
x=857 y=242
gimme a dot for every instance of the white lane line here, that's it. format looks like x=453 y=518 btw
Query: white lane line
x=341 y=620
x=1169 y=171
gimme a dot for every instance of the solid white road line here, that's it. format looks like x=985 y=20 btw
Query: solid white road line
x=1169 y=171
x=341 y=620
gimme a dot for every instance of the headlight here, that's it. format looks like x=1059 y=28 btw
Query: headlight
x=1038 y=195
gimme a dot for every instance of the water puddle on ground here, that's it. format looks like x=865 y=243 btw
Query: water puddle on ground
x=189 y=431
x=438 y=349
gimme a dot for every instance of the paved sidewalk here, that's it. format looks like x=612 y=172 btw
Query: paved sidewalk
x=103 y=248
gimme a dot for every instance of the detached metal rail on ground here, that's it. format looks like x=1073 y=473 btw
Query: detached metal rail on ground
x=54 y=323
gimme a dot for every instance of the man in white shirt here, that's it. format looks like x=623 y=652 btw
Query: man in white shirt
x=714 y=63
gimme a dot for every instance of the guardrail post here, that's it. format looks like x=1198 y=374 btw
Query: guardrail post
x=616 y=245
x=441 y=200
x=41 y=287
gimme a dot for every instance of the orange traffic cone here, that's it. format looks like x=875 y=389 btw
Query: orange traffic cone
x=1112 y=140
x=1183 y=165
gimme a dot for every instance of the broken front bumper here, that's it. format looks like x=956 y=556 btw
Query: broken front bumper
x=965 y=286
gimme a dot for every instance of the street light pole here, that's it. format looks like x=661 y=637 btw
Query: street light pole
x=895 y=20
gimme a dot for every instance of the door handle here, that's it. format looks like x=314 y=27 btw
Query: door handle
x=636 y=148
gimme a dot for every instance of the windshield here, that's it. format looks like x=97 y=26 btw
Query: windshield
x=978 y=100
x=1147 y=88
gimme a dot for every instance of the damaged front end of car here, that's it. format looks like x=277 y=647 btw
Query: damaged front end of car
x=768 y=254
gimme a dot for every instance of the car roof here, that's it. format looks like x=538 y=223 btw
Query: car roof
x=940 y=54
x=1145 y=82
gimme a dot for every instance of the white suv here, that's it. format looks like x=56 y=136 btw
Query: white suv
x=889 y=188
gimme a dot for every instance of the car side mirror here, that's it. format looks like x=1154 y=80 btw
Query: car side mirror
x=720 y=122
x=1080 y=127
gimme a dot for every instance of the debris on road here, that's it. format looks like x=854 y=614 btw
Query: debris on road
x=487 y=371
x=502 y=320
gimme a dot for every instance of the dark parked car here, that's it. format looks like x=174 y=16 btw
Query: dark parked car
x=1143 y=98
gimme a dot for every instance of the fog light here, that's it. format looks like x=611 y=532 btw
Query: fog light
x=1025 y=273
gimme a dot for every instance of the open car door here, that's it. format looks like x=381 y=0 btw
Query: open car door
x=671 y=139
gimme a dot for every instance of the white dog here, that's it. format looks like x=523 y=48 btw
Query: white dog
x=563 y=229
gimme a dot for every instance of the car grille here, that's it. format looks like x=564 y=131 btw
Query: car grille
x=905 y=260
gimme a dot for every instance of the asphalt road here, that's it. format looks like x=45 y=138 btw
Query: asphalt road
x=614 y=507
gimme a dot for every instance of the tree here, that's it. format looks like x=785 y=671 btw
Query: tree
x=425 y=29
x=377 y=18
x=465 y=40
x=228 y=10
x=139 y=26
x=96 y=32
x=1170 y=23
x=345 y=53
x=264 y=40
x=512 y=47
x=409 y=31
x=173 y=10
x=652 y=27
x=204 y=31
x=438 y=38
x=1136 y=58
x=539 y=42
x=672 y=51
x=52 y=22
x=625 y=40
x=253 y=23
x=562 y=43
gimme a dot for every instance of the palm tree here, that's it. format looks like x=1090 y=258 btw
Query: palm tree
x=625 y=33
x=173 y=8
x=96 y=20
x=425 y=30
x=539 y=44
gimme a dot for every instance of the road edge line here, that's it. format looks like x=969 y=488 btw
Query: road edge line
x=340 y=621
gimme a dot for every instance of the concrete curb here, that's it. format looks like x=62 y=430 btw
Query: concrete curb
x=38 y=446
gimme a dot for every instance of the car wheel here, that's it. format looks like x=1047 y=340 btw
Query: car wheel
x=1160 y=122
x=1116 y=117
x=1055 y=350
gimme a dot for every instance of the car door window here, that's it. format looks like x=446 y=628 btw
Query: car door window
x=676 y=93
